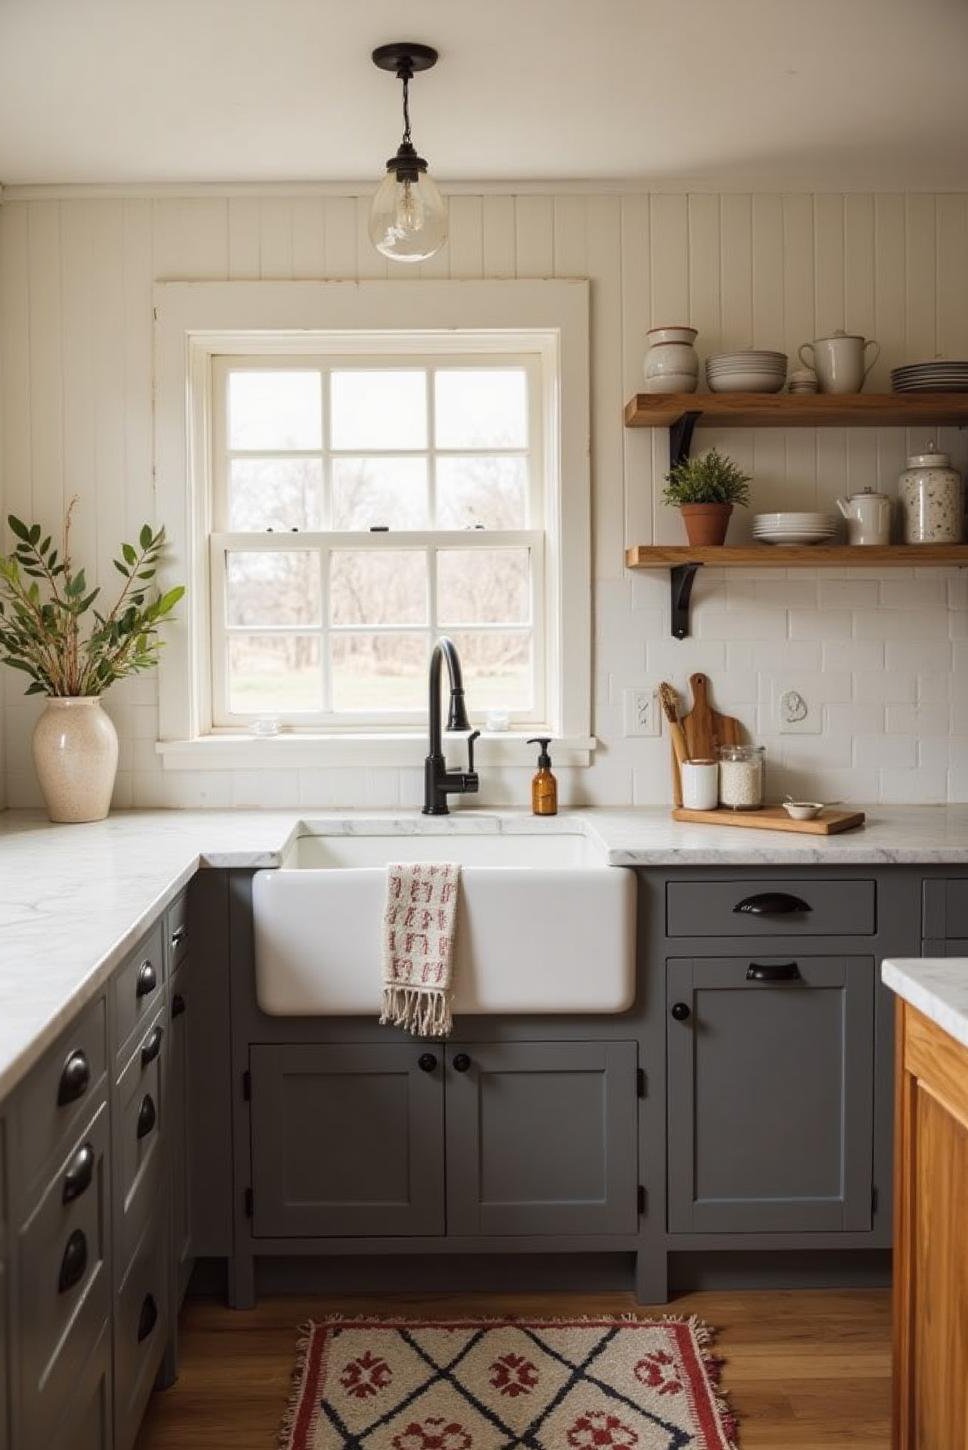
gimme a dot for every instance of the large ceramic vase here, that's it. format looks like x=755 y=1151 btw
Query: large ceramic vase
x=75 y=749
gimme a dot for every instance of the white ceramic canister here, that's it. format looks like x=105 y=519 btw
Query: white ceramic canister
x=932 y=499
x=671 y=364
x=700 y=785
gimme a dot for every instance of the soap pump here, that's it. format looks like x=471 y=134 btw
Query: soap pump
x=544 y=786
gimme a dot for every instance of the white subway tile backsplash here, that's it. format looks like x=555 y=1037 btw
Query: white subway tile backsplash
x=820 y=624
x=848 y=593
x=885 y=750
x=885 y=686
x=926 y=589
x=898 y=624
x=853 y=654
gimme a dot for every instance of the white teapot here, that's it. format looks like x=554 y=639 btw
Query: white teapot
x=868 y=516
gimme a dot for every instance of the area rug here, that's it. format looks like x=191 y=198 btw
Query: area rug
x=544 y=1384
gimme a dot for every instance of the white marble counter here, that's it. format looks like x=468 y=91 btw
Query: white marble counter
x=75 y=899
x=936 y=986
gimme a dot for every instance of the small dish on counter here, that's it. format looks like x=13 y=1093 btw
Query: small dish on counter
x=803 y=810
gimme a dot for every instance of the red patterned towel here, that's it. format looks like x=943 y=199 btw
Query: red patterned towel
x=418 y=946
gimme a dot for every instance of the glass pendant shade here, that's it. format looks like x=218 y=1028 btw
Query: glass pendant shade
x=408 y=218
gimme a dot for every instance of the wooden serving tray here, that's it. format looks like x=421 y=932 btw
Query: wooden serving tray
x=775 y=818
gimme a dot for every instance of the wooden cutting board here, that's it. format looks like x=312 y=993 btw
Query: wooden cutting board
x=705 y=728
x=775 y=818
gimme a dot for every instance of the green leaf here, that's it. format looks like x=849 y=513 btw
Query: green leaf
x=168 y=601
x=130 y=554
x=36 y=688
x=145 y=537
x=120 y=567
x=33 y=534
x=44 y=546
x=16 y=527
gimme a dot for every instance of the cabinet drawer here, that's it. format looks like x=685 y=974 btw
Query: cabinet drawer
x=64 y=1289
x=57 y=1096
x=804 y=907
x=86 y=1423
x=176 y=931
x=138 y=1141
x=140 y=1329
x=137 y=987
x=946 y=908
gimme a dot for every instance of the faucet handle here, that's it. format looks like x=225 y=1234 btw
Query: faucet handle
x=470 y=751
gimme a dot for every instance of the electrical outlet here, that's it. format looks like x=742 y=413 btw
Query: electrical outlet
x=641 y=711
x=794 y=713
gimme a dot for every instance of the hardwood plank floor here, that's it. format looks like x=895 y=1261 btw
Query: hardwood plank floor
x=805 y=1370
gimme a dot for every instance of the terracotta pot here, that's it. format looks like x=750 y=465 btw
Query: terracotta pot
x=75 y=747
x=706 y=523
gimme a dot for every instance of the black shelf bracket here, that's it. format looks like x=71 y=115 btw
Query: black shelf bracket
x=680 y=436
x=681 y=578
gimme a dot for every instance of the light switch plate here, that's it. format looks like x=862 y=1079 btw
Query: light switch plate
x=640 y=709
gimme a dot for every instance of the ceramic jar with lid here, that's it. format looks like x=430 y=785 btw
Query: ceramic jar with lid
x=741 y=777
x=671 y=364
x=932 y=499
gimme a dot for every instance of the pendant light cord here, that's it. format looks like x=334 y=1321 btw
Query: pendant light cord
x=405 y=77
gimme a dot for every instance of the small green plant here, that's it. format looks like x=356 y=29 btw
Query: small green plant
x=710 y=478
x=43 y=637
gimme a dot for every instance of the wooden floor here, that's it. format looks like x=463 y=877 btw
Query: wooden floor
x=804 y=1370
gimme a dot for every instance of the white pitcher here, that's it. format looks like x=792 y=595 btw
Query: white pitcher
x=868 y=516
x=839 y=361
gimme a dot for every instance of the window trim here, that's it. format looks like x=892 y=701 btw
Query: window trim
x=196 y=321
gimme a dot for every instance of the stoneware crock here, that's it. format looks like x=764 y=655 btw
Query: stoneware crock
x=75 y=748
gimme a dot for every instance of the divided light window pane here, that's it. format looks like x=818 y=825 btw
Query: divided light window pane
x=273 y=590
x=379 y=672
x=385 y=492
x=476 y=492
x=481 y=407
x=483 y=586
x=378 y=586
x=280 y=409
x=497 y=668
x=385 y=408
x=274 y=674
x=275 y=493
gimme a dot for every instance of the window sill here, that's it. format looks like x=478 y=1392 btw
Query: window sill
x=400 y=750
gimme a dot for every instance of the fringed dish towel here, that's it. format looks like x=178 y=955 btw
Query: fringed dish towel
x=418 y=946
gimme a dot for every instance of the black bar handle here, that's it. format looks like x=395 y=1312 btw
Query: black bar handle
x=461 y=1062
x=426 y=1062
x=177 y=1005
x=147 y=980
x=771 y=903
x=773 y=972
x=80 y=1172
x=148 y=1317
x=152 y=1045
x=147 y=1116
x=75 y=1079
x=470 y=751
x=73 y=1263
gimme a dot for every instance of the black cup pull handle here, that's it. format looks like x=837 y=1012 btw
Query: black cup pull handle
x=80 y=1172
x=148 y=1317
x=680 y=1011
x=74 y=1080
x=147 y=980
x=461 y=1062
x=73 y=1263
x=152 y=1046
x=773 y=972
x=771 y=903
x=147 y=1116
x=177 y=1005
x=426 y=1062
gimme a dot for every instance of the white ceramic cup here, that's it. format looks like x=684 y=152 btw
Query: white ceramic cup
x=700 y=785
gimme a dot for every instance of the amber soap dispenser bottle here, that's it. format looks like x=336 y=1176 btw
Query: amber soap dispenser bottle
x=544 y=786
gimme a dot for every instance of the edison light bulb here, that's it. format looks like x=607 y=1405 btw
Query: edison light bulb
x=408 y=218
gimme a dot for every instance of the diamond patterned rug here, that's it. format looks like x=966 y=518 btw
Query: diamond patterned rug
x=581 y=1384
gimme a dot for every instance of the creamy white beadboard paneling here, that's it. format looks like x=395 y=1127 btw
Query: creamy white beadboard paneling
x=880 y=659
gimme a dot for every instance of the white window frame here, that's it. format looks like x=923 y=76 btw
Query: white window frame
x=198 y=322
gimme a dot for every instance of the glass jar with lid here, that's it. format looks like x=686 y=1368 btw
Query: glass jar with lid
x=932 y=499
x=742 y=769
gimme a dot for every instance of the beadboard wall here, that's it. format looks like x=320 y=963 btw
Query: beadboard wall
x=882 y=661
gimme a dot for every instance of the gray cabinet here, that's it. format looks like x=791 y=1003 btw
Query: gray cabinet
x=770 y=1093
x=141 y=1322
x=4 y=1292
x=179 y=1137
x=347 y=1140
x=541 y=1138
x=86 y=1422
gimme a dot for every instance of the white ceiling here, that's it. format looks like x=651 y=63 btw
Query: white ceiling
x=801 y=93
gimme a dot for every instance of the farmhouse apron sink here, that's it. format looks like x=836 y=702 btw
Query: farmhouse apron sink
x=544 y=925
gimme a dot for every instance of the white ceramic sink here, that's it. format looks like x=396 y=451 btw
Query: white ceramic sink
x=544 y=924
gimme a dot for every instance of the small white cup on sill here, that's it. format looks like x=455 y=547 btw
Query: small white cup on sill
x=700 y=785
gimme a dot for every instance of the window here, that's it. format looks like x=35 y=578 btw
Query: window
x=362 y=506
x=348 y=469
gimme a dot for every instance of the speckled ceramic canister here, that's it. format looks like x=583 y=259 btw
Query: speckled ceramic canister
x=75 y=747
x=932 y=499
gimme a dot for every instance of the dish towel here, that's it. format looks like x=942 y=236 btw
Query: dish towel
x=418 y=946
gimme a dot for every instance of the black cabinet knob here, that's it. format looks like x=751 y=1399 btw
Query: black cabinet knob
x=148 y=1317
x=177 y=1005
x=147 y=980
x=80 y=1172
x=461 y=1062
x=73 y=1263
x=147 y=1116
x=74 y=1080
x=426 y=1062
x=680 y=1011
x=152 y=1046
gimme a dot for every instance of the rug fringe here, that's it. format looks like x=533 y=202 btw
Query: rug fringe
x=303 y=1344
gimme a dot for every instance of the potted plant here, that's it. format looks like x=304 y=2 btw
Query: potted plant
x=43 y=600
x=704 y=489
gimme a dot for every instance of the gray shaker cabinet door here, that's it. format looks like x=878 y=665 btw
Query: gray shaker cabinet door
x=770 y=1091
x=541 y=1138
x=347 y=1141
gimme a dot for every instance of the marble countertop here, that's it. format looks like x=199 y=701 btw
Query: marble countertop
x=936 y=986
x=75 y=899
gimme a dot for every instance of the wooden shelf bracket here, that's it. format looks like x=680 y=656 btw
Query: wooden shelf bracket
x=681 y=579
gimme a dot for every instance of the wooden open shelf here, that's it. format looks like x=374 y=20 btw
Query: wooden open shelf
x=811 y=556
x=799 y=410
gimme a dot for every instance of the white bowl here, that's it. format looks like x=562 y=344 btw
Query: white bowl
x=745 y=382
x=749 y=354
x=803 y=810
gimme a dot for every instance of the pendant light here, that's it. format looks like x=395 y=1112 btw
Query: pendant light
x=408 y=218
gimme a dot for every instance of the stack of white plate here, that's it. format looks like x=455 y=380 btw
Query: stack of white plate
x=746 y=372
x=931 y=377
x=794 y=528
